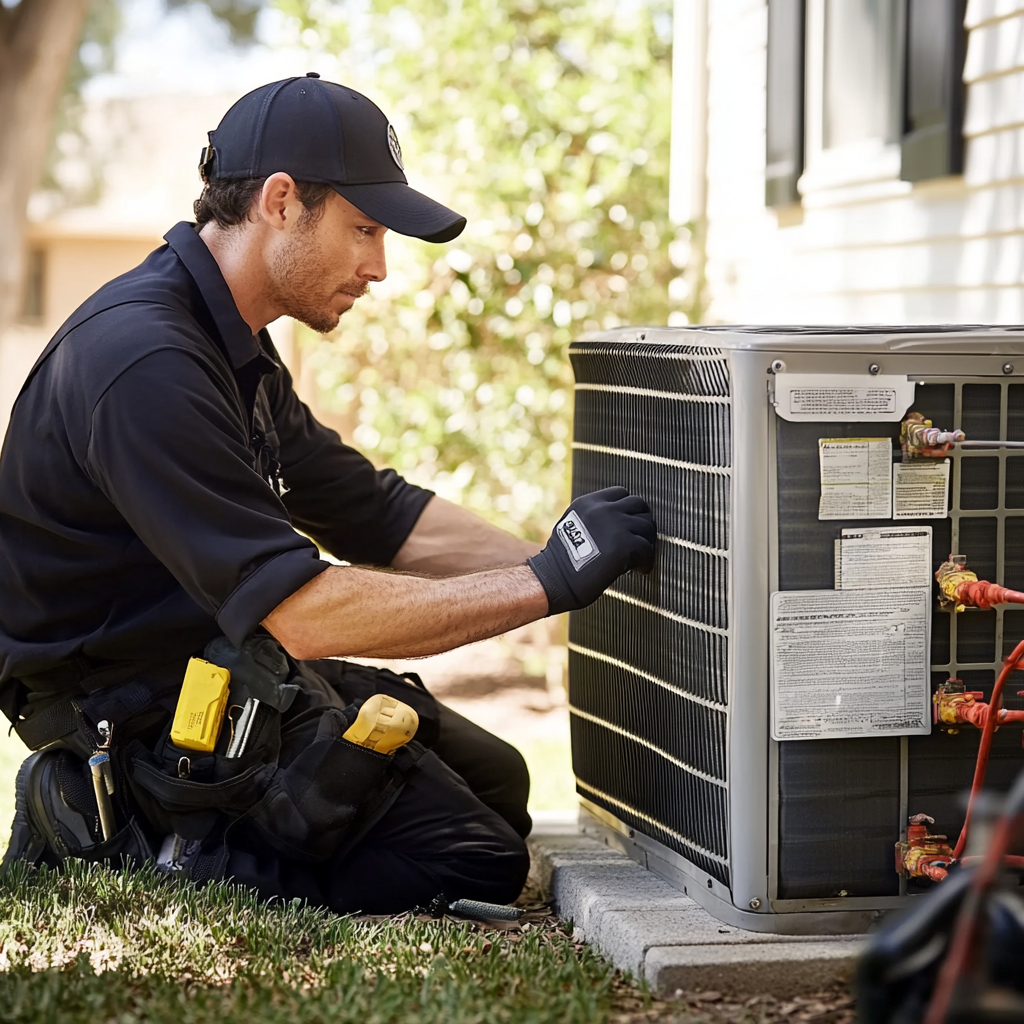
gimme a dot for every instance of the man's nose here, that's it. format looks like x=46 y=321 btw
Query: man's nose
x=375 y=267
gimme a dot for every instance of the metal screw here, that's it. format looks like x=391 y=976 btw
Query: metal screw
x=778 y=366
x=874 y=368
x=709 y=883
x=1007 y=367
x=755 y=904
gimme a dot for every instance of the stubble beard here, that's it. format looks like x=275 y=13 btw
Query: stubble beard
x=297 y=272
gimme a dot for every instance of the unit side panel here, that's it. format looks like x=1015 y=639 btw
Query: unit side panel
x=648 y=662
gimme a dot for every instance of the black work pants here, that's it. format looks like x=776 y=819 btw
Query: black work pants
x=456 y=828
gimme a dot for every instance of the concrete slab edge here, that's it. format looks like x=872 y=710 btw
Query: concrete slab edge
x=644 y=925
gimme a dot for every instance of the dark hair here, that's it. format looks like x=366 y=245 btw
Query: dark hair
x=228 y=201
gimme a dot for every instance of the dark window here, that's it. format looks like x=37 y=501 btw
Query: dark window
x=932 y=143
x=860 y=91
x=892 y=71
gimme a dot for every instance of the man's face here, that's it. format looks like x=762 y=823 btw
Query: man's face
x=319 y=266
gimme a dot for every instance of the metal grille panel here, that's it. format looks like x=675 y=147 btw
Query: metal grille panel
x=648 y=663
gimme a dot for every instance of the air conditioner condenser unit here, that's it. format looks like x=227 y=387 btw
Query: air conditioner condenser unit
x=753 y=720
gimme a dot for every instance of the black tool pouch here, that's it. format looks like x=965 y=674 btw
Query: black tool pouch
x=128 y=846
x=191 y=801
x=299 y=787
x=192 y=794
x=326 y=794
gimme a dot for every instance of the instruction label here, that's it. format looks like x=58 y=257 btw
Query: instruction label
x=848 y=663
x=856 y=478
x=920 y=490
x=842 y=397
x=874 y=559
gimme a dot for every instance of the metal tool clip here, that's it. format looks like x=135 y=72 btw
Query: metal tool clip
x=240 y=735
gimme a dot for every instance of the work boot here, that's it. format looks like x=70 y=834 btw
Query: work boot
x=383 y=724
x=55 y=813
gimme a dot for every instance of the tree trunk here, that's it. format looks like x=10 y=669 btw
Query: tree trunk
x=37 y=42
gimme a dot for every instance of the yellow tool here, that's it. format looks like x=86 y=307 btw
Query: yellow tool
x=383 y=724
x=200 y=710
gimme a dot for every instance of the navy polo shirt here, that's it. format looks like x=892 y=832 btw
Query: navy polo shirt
x=156 y=469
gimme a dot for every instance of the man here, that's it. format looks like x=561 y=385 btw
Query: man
x=156 y=469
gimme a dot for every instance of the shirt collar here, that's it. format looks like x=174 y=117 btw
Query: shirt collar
x=241 y=344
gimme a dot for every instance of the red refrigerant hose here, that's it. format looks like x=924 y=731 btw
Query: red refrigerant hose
x=985 y=747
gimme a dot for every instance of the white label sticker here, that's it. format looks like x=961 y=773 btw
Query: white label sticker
x=896 y=556
x=842 y=398
x=849 y=663
x=856 y=478
x=920 y=490
x=577 y=541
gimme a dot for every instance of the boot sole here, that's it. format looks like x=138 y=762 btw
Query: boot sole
x=28 y=842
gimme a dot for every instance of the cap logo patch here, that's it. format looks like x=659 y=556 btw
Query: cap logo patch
x=576 y=540
x=396 y=149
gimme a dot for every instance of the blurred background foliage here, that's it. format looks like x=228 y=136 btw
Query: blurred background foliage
x=545 y=122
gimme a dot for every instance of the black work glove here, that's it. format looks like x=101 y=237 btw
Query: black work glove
x=601 y=536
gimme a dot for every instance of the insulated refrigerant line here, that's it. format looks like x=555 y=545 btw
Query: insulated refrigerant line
x=985 y=746
x=990 y=444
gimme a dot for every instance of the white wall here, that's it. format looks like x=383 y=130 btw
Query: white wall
x=884 y=252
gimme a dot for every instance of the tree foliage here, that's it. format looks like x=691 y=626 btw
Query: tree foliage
x=546 y=122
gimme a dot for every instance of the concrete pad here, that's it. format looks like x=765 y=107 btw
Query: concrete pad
x=647 y=926
x=779 y=969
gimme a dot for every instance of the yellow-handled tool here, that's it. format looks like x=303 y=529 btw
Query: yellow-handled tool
x=383 y=724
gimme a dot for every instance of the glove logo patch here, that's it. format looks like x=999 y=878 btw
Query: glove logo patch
x=576 y=540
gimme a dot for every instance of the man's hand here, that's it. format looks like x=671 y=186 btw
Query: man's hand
x=601 y=536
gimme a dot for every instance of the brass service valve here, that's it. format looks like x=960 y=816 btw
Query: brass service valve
x=953 y=705
x=919 y=439
x=947 y=702
x=921 y=854
x=959 y=588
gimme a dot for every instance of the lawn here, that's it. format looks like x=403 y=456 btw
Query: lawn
x=94 y=945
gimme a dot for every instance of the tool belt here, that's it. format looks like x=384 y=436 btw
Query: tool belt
x=298 y=788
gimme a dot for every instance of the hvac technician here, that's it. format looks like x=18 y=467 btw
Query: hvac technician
x=155 y=465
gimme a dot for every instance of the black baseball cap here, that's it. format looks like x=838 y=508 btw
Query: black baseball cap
x=324 y=132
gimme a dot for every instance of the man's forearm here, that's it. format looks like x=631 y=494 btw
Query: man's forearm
x=353 y=612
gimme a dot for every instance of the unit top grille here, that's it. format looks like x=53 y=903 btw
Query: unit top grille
x=957 y=339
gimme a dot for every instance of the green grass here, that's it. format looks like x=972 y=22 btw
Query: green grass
x=92 y=945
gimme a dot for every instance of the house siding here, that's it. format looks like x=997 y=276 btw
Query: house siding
x=949 y=250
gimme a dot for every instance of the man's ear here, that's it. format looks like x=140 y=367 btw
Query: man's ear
x=277 y=201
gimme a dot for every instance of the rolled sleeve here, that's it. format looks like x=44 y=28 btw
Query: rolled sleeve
x=168 y=448
x=259 y=593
